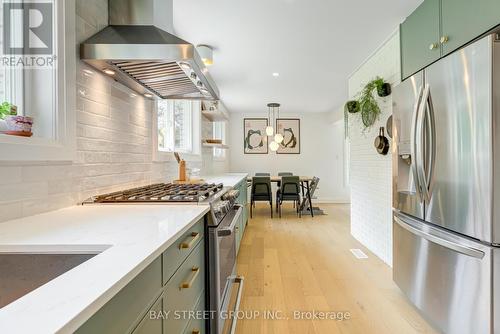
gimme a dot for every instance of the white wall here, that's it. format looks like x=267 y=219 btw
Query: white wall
x=114 y=136
x=322 y=155
x=371 y=173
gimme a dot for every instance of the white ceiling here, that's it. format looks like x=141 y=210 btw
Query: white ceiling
x=313 y=44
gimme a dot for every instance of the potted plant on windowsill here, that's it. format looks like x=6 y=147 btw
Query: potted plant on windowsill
x=12 y=124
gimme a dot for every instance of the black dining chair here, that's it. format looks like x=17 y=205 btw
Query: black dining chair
x=278 y=184
x=289 y=191
x=283 y=174
x=261 y=192
x=262 y=174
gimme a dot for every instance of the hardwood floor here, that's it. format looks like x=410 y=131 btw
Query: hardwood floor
x=293 y=264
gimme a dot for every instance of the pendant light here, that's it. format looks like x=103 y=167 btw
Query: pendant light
x=278 y=137
x=273 y=109
x=270 y=117
x=274 y=146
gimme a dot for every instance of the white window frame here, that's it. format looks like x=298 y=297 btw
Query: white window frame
x=219 y=154
x=195 y=153
x=62 y=147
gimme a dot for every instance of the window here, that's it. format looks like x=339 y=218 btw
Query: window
x=219 y=132
x=29 y=81
x=175 y=126
x=37 y=75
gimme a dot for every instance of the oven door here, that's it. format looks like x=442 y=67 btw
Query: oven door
x=228 y=297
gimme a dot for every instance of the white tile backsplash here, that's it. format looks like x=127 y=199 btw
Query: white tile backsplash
x=371 y=173
x=114 y=138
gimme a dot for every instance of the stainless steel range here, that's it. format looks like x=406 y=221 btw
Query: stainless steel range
x=223 y=298
x=220 y=228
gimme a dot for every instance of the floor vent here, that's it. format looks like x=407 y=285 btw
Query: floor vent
x=358 y=253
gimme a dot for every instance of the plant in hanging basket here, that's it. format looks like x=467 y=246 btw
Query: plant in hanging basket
x=370 y=110
x=366 y=103
x=384 y=89
x=352 y=106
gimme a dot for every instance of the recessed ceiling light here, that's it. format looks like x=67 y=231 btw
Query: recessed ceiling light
x=108 y=71
x=148 y=95
x=276 y=74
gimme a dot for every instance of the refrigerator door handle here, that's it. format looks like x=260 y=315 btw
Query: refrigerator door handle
x=431 y=154
x=439 y=240
x=425 y=159
x=414 y=147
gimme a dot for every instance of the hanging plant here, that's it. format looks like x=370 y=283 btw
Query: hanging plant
x=366 y=103
x=350 y=107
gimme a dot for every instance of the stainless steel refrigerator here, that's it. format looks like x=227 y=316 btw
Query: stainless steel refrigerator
x=446 y=191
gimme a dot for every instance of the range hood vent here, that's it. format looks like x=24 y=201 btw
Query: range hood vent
x=148 y=59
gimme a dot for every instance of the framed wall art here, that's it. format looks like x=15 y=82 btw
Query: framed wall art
x=255 y=138
x=290 y=129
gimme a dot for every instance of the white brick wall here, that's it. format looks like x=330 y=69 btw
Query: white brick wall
x=371 y=173
x=114 y=136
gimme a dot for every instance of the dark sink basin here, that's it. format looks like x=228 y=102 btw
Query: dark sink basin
x=23 y=272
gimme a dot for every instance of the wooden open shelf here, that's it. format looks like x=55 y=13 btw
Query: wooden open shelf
x=222 y=146
x=215 y=115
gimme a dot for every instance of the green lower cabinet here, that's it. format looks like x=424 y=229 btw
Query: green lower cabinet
x=183 y=290
x=125 y=310
x=419 y=35
x=179 y=250
x=197 y=323
x=242 y=200
x=152 y=322
x=465 y=20
x=159 y=300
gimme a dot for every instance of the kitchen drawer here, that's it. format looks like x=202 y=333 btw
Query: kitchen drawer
x=197 y=326
x=151 y=323
x=122 y=313
x=184 y=298
x=180 y=249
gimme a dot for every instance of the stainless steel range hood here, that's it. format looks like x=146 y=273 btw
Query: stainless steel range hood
x=146 y=58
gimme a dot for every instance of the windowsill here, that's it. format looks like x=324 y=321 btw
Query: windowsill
x=18 y=148
x=165 y=156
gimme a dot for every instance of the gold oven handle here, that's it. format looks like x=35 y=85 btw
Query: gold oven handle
x=193 y=275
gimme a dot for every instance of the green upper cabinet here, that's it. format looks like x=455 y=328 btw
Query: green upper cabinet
x=464 y=20
x=419 y=35
x=439 y=27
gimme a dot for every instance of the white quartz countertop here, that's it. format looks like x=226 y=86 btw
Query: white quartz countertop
x=228 y=179
x=132 y=236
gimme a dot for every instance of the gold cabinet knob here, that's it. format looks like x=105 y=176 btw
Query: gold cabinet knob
x=433 y=46
x=444 y=39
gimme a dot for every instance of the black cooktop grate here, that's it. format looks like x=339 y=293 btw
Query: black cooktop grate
x=162 y=192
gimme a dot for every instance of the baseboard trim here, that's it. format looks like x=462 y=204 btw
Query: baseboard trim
x=330 y=201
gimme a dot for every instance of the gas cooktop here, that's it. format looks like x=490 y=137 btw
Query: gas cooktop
x=161 y=193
